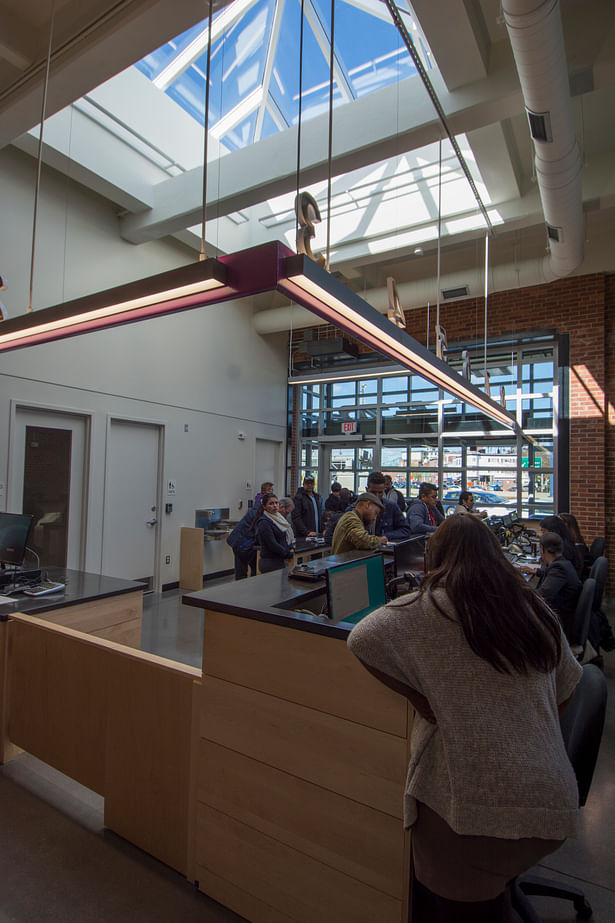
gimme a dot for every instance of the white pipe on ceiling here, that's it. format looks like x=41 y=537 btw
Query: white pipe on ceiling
x=537 y=39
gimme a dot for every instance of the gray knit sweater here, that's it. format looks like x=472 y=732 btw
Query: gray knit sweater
x=494 y=764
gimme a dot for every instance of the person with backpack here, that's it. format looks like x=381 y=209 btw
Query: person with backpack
x=243 y=542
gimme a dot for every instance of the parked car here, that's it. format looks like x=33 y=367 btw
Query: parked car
x=494 y=503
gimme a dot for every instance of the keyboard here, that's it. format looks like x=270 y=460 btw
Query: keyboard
x=43 y=589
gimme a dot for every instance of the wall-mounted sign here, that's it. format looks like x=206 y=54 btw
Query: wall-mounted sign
x=348 y=428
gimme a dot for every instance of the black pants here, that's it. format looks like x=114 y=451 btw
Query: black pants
x=242 y=564
x=428 y=907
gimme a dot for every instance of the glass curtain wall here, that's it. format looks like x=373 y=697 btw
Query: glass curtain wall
x=405 y=426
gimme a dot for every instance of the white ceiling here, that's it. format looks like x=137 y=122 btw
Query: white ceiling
x=154 y=177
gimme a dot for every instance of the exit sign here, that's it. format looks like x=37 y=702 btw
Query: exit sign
x=348 y=428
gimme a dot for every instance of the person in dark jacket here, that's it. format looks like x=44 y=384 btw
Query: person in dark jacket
x=555 y=524
x=390 y=521
x=307 y=514
x=559 y=582
x=334 y=501
x=579 y=543
x=275 y=536
x=424 y=517
x=392 y=494
x=242 y=541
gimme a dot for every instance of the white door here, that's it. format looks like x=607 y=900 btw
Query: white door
x=49 y=464
x=132 y=489
x=267 y=464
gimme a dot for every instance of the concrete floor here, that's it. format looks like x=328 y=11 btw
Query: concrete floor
x=60 y=865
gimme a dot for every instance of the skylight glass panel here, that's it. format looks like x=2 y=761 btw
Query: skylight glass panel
x=238 y=59
x=154 y=63
x=284 y=85
x=368 y=47
x=242 y=135
x=269 y=125
x=252 y=56
x=189 y=92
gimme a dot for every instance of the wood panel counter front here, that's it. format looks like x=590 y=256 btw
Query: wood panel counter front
x=300 y=765
x=106 y=607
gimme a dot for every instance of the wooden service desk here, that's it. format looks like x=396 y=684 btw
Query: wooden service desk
x=300 y=762
x=105 y=607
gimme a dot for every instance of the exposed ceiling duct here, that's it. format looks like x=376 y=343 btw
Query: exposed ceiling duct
x=537 y=39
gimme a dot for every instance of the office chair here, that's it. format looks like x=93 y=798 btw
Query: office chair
x=597 y=547
x=599 y=571
x=600 y=632
x=582 y=724
x=582 y=617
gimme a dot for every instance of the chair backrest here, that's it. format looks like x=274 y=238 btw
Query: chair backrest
x=597 y=548
x=583 y=613
x=599 y=571
x=582 y=724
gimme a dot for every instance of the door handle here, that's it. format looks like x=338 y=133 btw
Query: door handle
x=151 y=522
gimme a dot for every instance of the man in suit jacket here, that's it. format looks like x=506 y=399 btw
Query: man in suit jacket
x=559 y=582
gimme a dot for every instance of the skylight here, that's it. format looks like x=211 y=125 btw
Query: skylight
x=255 y=76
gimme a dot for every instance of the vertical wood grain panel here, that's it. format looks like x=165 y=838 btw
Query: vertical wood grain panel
x=148 y=756
x=58 y=700
x=191 y=550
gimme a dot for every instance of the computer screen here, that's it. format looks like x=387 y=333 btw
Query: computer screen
x=409 y=556
x=14 y=531
x=355 y=589
x=507 y=520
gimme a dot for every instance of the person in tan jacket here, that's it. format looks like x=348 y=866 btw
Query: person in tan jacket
x=350 y=532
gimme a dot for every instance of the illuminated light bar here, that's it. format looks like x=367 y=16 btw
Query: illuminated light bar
x=176 y=290
x=311 y=286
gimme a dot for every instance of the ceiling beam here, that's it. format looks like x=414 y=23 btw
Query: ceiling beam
x=458 y=38
x=124 y=34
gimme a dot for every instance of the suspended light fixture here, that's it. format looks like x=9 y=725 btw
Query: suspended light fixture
x=314 y=288
x=176 y=290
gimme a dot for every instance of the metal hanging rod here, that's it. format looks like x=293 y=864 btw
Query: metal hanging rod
x=401 y=28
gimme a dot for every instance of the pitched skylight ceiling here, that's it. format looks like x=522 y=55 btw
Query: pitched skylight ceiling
x=254 y=88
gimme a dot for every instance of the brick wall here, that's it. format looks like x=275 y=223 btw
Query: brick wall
x=582 y=307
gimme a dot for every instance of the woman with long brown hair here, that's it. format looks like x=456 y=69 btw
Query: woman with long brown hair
x=482 y=658
x=572 y=525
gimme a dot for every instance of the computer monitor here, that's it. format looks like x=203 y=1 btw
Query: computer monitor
x=507 y=520
x=14 y=532
x=355 y=589
x=409 y=555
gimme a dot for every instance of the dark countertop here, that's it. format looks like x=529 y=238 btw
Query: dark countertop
x=303 y=544
x=258 y=598
x=81 y=587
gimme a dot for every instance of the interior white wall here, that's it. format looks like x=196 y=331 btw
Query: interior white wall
x=204 y=370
